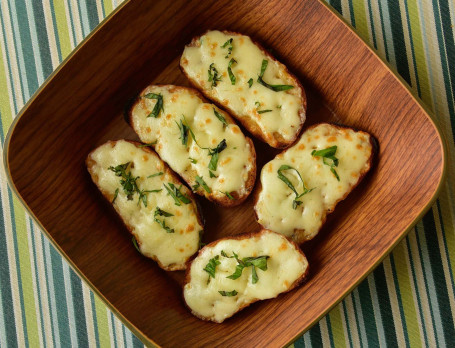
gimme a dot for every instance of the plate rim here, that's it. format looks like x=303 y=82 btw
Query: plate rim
x=142 y=336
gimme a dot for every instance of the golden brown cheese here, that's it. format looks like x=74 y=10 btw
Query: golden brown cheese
x=171 y=240
x=280 y=267
x=226 y=67
x=232 y=178
x=278 y=208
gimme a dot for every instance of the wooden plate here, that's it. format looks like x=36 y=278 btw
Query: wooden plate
x=80 y=107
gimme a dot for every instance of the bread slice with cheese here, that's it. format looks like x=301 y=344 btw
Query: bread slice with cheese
x=198 y=140
x=301 y=185
x=237 y=73
x=231 y=273
x=157 y=209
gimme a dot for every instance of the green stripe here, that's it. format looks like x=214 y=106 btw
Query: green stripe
x=5 y=109
x=361 y=24
x=92 y=14
x=381 y=16
x=336 y=4
x=336 y=324
x=102 y=323
x=385 y=307
x=412 y=331
x=367 y=309
x=351 y=12
x=346 y=320
x=62 y=28
x=373 y=33
x=401 y=57
x=315 y=336
x=45 y=52
x=79 y=313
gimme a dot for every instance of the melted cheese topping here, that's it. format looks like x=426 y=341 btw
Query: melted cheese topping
x=234 y=163
x=240 y=98
x=170 y=249
x=274 y=207
x=285 y=265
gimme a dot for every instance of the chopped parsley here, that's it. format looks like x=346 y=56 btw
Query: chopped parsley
x=183 y=132
x=175 y=193
x=328 y=158
x=162 y=223
x=231 y=75
x=143 y=196
x=229 y=46
x=156 y=174
x=210 y=268
x=228 y=293
x=250 y=83
x=228 y=195
x=214 y=76
x=192 y=160
x=258 y=105
x=258 y=261
x=211 y=174
x=283 y=178
x=276 y=88
x=115 y=195
x=215 y=153
x=149 y=144
x=134 y=240
x=200 y=182
x=221 y=118
x=158 y=106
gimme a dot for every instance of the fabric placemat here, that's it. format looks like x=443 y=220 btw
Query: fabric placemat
x=408 y=300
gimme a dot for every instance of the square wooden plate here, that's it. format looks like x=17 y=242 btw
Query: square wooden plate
x=81 y=106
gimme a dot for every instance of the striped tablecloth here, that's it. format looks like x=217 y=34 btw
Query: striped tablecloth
x=407 y=301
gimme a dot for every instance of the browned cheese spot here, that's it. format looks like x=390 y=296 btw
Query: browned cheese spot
x=206 y=106
x=145 y=158
x=283 y=246
x=301 y=147
x=332 y=139
x=225 y=161
x=189 y=228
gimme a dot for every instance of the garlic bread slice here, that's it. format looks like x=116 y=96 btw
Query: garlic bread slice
x=254 y=87
x=231 y=273
x=198 y=141
x=301 y=185
x=157 y=209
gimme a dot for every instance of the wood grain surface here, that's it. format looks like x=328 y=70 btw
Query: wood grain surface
x=82 y=107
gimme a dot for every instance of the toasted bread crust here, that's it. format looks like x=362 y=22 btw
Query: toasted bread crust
x=295 y=284
x=90 y=163
x=275 y=139
x=300 y=236
x=221 y=199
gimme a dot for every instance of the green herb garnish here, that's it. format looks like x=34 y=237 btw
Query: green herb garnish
x=201 y=244
x=183 y=132
x=158 y=106
x=200 y=182
x=143 y=196
x=214 y=77
x=135 y=244
x=156 y=174
x=221 y=118
x=281 y=176
x=258 y=261
x=250 y=83
x=210 y=268
x=175 y=193
x=229 y=195
x=128 y=182
x=192 y=160
x=328 y=158
x=115 y=195
x=211 y=174
x=229 y=46
x=276 y=88
x=228 y=293
x=258 y=105
x=215 y=153
x=149 y=144
x=160 y=212
x=231 y=75
x=264 y=111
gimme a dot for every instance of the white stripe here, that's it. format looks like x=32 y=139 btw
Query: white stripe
x=420 y=279
x=34 y=279
x=51 y=33
x=344 y=324
x=119 y=332
x=407 y=43
x=76 y=21
x=110 y=327
x=307 y=339
x=346 y=10
x=35 y=45
x=11 y=259
x=324 y=332
x=428 y=274
x=352 y=322
x=411 y=269
x=363 y=334
x=378 y=28
x=69 y=303
x=10 y=51
x=68 y=24
x=388 y=33
x=88 y=316
x=99 y=10
x=397 y=319
x=46 y=309
x=129 y=337
x=369 y=23
x=376 y=311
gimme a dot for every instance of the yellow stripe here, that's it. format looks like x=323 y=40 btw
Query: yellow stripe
x=407 y=300
x=107 y=7
x=361 y=24
x=62 y=28
x=102 y=323
x=26 y=274
x=336 y=322
x=5 y=107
